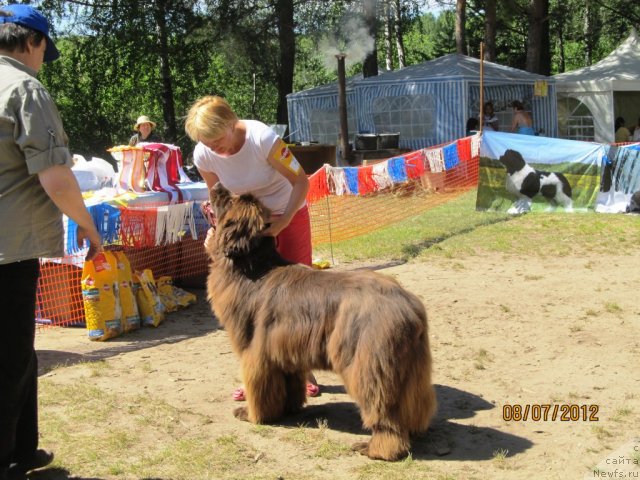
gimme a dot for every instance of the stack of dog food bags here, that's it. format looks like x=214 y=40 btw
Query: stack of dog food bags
x=149 y=303
x=101 y=298
x=130 y=319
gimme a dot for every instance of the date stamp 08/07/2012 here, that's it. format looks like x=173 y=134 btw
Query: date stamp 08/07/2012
x=545 y=412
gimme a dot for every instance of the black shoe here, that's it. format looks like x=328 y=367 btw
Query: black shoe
x=41 y=458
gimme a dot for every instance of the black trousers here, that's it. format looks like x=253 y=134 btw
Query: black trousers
x=18 y=362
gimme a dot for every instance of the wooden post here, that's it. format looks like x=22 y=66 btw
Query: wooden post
x=481 y=85
x=342 y=109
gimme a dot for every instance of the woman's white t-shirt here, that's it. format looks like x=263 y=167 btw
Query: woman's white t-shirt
x=249 y=170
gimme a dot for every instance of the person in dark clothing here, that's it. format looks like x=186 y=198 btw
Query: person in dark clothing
x=36 y=187
x=144 y=126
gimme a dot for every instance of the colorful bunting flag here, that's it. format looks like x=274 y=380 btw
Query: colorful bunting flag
x=450 y=154
x=366 y=183
x=397 y=169
x=352 y=176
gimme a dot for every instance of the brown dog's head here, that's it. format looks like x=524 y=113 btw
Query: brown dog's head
x=240 y=221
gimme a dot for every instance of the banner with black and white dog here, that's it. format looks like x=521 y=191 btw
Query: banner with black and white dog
x=522 y=173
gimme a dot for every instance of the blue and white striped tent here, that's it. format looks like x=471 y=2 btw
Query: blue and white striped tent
x=428 y=103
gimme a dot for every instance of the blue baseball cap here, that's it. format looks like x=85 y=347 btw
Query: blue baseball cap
x=29 y=17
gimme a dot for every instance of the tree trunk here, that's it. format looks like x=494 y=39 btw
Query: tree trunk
x=461 y=18
x=166 y=97
x=562 y=64
x=588 y=34
x=287 y=39
x=490 y=20
x=370 y=65
x=538 y=30
x=388 y=26
x=544 y=67
x=398 y=30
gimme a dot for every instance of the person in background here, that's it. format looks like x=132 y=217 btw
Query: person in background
x=247 y=156
x=472 y=126
x=622 y=133
x=36 y=187
x=144 y=126
x=489 y=119
x=522 y=122
x=636 y=133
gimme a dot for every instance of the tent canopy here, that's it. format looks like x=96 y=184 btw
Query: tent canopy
x=427 y=103
x=455 y=66
x=590 y=98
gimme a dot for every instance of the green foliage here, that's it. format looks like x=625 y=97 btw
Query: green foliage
x=419 y=39
x=110 y=68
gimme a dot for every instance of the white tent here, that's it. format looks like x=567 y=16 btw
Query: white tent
x=590 y=98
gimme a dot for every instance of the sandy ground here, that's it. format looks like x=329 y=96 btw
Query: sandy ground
x=504 y=331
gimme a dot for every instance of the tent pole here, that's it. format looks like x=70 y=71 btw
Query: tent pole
x=481 y=85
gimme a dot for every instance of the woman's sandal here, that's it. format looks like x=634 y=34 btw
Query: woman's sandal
x=238 y=395
x=312 y=391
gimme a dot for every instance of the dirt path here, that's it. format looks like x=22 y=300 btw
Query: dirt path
x=504 y=331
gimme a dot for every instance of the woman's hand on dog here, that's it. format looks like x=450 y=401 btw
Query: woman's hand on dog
x=276 y=225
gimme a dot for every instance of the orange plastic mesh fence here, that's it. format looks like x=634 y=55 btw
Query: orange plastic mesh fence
x=59 y=298
x=341 y=217
x=333 y=218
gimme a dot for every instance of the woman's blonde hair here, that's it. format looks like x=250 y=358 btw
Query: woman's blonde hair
x=208 y=118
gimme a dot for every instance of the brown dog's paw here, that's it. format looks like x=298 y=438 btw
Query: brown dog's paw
x=361 y=447
x=241 y=413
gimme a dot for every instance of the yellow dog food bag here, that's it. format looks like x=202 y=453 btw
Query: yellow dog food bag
x=183 y=298
x=130 y=316
x=165 y=290
x=149 y=303
x=100 y=295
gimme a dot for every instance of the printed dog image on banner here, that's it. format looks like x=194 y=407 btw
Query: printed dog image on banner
x=525 y=182
x=523 y=173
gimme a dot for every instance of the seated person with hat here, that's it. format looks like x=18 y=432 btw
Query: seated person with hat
x=144 y=126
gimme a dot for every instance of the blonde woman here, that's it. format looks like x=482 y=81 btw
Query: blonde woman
x=247 y=156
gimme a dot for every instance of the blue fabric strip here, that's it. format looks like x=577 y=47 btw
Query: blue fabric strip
x=351 y=174
x=397 y=169
x=450 y=154
x=72 y=237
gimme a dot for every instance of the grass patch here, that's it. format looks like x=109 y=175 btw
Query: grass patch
x=317 y=441
x=481 y=359
x=409 y=238
x=455 y=230
x=601 y=433
x=401 y=470
x=612 y=307
x=500 y=458
x=100 y=434
x=621 y=414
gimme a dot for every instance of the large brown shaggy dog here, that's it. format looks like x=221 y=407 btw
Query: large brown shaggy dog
x=285 y=320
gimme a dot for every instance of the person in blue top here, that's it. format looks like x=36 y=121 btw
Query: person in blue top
x=522 y=122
